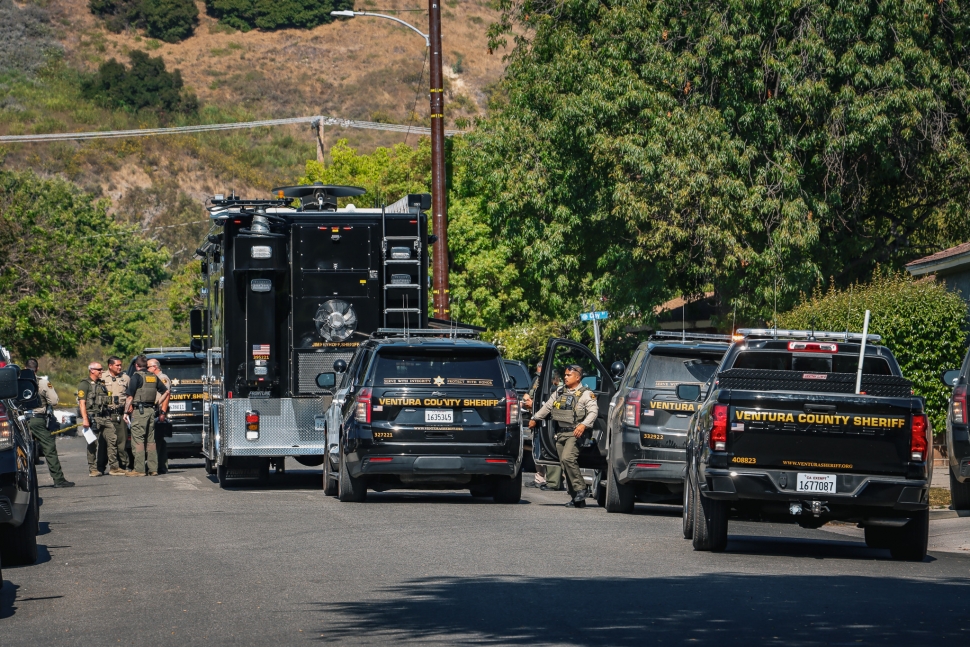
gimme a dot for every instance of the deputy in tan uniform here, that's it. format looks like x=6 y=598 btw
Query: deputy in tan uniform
x=92 y=404
x=115 y=429
x=39 y=430
x=140 y=406
x=574 y=409
x=161 y=407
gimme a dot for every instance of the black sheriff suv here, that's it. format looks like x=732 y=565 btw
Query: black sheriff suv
x=958 y=435
x=422 y=409
x=791 y=430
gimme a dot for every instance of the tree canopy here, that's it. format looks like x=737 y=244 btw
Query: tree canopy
x=275 y=14
x=145 y=84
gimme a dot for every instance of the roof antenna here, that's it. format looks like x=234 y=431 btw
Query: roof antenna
x=734 y=320
x=774 y=314
x=812 y=324
x=683 y=319
x=848 y=314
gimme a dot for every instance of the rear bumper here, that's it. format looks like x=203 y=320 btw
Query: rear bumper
x=852 y=490
x=373 y=464
x=187 y=440
x=634 y=462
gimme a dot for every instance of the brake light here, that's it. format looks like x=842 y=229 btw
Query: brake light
x=646 y=466
x=252 y=425
x=6 y=431
x=960 y=404
x=497 y=461
x=719 y=428
x=812 y=347
x=511 y=407
x=380 y=459
x=363 y=406
x=631 y=410
x=918 y=442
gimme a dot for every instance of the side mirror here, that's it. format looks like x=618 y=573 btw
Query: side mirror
x=27 y=392
x=689 y=392
x=198 y=331
x=327 y=380
x=339 y=366
x=951 y=377
x=8 y=382
x=617 y=368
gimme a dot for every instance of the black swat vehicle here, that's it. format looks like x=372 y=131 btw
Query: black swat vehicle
x=423 y=409
x=647 y=431
x=958 y=435
x=292 y=284
x=19 y=500
x=786 y=432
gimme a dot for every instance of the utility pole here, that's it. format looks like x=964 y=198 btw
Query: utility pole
x=439 y=205
x=318 y=127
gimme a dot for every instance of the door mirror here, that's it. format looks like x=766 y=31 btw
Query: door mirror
x=340 y=366
x=326 y=380
x=27 y=391
x=617 y=368
x=690 y=392
x=951 y=377
x=198 y=331
x=8 y=382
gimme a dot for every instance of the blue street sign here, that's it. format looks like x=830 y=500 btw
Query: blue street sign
x=601 y=315
x=586 y=316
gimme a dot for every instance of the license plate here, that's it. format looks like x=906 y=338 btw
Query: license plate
x=821 y=483
x=176 y=406
x=439 y=416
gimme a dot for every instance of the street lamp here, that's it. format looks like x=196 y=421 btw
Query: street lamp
x=439 y=208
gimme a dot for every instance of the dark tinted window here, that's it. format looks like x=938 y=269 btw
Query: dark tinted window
x=436 y=368
x=667 y=371
x=522 y=379
x=188 y=373
x=782 y=361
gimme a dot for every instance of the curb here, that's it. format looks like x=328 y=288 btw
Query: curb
x=948 y=514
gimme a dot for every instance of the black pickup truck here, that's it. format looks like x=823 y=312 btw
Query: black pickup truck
x=782 y=436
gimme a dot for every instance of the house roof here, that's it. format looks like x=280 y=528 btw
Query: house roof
x=947 y=260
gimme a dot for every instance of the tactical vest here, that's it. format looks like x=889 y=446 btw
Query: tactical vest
x=97 y=400
x=146 y=392
x=116 y=389
x=565 y=409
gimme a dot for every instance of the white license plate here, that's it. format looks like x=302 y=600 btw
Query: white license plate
x=176 y=406
x=439 y=416
x=821 y=483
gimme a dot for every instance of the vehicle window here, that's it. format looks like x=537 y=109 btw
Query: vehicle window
x=184 y=373
x=361 y=367
x=631 y=371
x=667 y=371
x=515 y=370
x=782 y=361
x=564 y=356
x=400 y=367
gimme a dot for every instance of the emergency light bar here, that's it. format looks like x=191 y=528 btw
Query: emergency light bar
x=781 y=333
x=701 y=336
x=383 y=333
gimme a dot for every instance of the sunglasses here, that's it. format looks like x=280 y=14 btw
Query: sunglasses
x=97 y=369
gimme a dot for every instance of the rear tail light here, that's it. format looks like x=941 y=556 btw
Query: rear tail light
x=960 y=404
x=719 y=428
x=631 y=410
x=6 y=430
x=363 y=406
x=497 y=461
x=919 y=442
x=812 y=347
x=252 y=425
x=380 y=459
x=646 y=466
x=511 y=407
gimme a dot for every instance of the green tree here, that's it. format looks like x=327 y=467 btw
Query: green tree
x=921 y=322
x=646 y=148
x=68 y=273
x=274 y=14
x=169 y=20
x=146 y=84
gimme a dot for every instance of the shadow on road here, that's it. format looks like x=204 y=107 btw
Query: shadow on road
x=706 y=609
x=8 y=595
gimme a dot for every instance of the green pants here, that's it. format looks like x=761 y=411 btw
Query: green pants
x=568 y=448
x=143 y=440
x=38 y=428
x=97 y=427
x=553 y=476
x=161 y=447
x=116 y=439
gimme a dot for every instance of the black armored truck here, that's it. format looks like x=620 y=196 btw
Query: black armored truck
x=809 y=427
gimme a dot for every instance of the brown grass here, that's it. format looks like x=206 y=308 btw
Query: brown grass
x=939 y=497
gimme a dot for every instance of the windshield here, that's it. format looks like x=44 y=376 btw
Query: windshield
x=519 y=374
x=436 y=368
x=667 y=371
x=815 y=362
x=184 y=373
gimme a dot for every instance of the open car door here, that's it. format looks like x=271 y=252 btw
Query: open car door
x=561 y=353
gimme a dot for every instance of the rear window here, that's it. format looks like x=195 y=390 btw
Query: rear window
x=183 y=372
x=815 y=362
x=436 y=369
x=521 y=376
x=667 y=371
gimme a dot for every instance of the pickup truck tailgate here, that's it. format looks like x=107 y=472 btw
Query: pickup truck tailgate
x=815 y=431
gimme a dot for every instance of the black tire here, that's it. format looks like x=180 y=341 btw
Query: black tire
x=879 y=536
x=210 y=467
x=909 y=542
x=350 y=489
x=508 y=490
x=959 y=493
x=18 y=546
x=688 y=520
x=330 y=485
x=601 y=491
x=619 y=497
x=710 y=524
x=222 y=473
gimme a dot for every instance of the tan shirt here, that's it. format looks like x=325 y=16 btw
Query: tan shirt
x=116 y=389
x=587 y=407
x=48 y=396
x=164 y=379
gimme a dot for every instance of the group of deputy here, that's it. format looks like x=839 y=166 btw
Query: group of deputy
x=109 y=406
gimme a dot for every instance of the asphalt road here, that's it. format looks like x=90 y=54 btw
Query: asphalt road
x=174 y=560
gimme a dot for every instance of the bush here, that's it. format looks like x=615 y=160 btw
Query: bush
x=167 y=20
x=274 y=14
x=26 y=40
x=145 y=85
x=921 y=322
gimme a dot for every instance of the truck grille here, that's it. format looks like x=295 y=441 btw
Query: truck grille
x=312 y=363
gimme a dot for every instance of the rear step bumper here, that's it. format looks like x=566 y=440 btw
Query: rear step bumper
x=374 y=464
x=851 y=489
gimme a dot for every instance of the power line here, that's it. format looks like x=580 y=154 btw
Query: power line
x=175 y=130
x=139 y=231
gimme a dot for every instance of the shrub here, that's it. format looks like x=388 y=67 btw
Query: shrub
x=25 y=37
x=167 y=20
x=921 y=322
x=274 y=14
x=144 y=85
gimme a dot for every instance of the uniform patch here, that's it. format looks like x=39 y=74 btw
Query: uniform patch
x=150 y=379
x=80 y=394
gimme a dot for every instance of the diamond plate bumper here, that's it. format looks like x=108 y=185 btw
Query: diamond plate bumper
x=285 y=427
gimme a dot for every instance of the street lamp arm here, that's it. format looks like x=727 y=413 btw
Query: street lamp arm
x=350 y=14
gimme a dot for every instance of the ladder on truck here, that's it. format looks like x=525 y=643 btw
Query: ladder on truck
x=410 y=267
